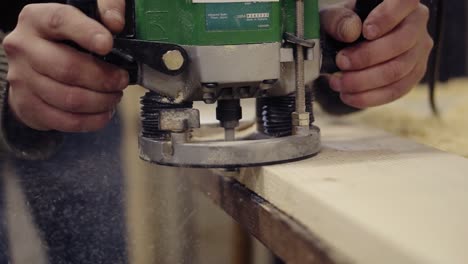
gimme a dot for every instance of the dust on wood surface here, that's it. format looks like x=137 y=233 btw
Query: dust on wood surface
x=411 y=117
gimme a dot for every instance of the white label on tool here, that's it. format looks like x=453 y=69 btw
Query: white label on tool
x=231 y=1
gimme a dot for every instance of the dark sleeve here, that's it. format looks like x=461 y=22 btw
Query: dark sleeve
x=16 y=139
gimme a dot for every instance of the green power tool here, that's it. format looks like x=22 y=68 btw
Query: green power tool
x=222 y=51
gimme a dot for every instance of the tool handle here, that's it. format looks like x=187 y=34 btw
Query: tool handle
x=328 y=99
x=364 y=7
x=88 y=7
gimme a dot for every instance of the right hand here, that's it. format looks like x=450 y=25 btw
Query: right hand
x=392 y=59
x=54 y=86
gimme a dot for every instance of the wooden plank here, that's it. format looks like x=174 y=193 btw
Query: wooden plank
x=288 y=239
x=373 y=197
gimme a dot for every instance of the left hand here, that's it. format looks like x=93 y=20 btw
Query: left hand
x=392 y=59
x=54 y=86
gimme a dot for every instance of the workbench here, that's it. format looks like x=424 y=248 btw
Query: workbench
x=368 y=197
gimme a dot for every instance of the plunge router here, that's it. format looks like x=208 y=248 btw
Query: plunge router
x=220 y=52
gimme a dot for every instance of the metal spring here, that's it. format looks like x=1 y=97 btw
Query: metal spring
x=274 y=114
x=151 y=105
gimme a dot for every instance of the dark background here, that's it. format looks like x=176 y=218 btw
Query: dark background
x=455 y=45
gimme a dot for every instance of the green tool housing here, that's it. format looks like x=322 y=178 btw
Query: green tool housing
x=192 y=22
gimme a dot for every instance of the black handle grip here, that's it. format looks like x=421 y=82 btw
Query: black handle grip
x=88 y=7
x=364 y=7
x=327 y=98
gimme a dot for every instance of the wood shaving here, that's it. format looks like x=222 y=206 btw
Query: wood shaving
x=410 y=117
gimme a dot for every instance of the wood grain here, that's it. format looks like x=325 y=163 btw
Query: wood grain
x=373 y=197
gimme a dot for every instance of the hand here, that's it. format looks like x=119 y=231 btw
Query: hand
x=54 y=86
x=391 y=61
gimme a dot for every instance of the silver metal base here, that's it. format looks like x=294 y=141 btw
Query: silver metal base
x=221 y=154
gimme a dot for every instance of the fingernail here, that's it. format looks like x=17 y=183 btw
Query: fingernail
x=343 y=62
x=371 y=31
x=335 y=82
x=114 y=15
x=350 y=29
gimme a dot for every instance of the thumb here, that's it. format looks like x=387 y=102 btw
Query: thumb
x=112 y=14
x=341 y=23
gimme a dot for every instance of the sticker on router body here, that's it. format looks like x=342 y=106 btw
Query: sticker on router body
x=238 y=16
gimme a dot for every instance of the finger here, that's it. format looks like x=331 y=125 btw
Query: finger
x=112 y=14
x=387 y=16
x=73 y=99
x=388 y=93
x=19 y=104
x=370 y=53
x=64 y=22
x=40 y=116
x=379 y=75
x=18 y=95
x=66 y=65
x=341 y=23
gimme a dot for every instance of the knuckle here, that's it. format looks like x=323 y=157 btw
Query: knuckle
x=425 y=12
x=429 y=43
x=26 y=12
x=13 y=77
x=56 y=17
x=12 y=44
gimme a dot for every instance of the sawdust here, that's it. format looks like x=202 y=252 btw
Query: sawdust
x=411 y=118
